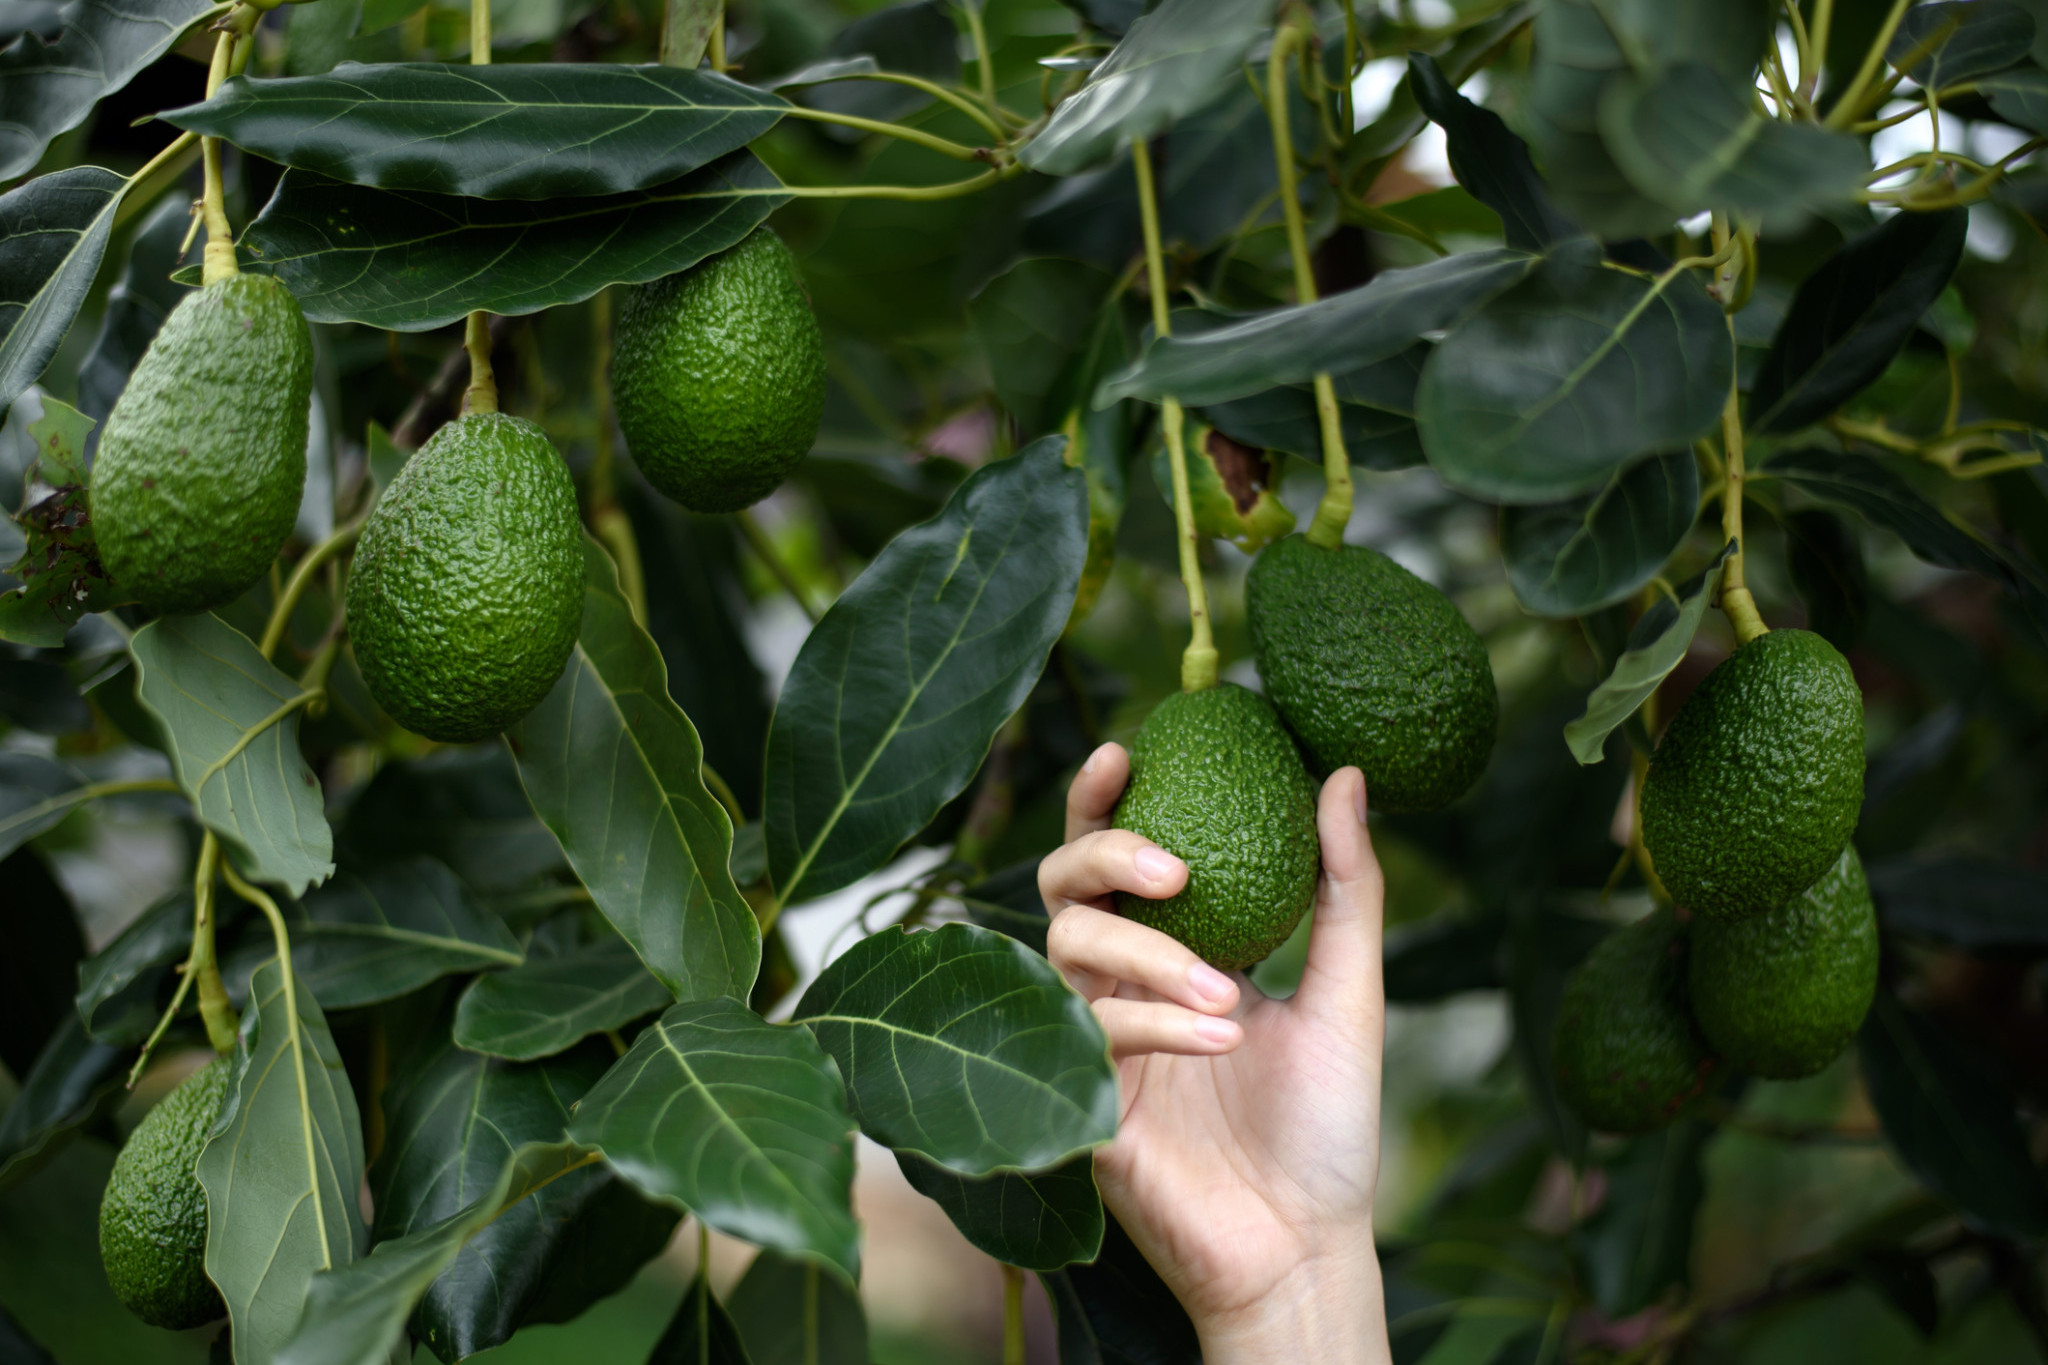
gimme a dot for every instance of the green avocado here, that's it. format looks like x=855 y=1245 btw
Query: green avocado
x=719 y=376
x=1216 y=781
x=1627 y=1056
x=1756 y=785
x=467 y=589
x=1780 y=994
x=153 y=1215
x=1375 y=668
x=200 y=469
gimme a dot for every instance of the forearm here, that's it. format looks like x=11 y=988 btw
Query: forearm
x=1330 y=1312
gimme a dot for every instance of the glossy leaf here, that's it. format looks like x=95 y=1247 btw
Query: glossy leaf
x=1569 y=558
x=701 y=1332
x=2019 y=96
x=1032 y=322
x=963 y=1046
x=60 y=568
x=53 y=231
x=140 y=300
x=1827 y=570
x=740 y=1121
x=898 y=691
x=35 y=793
x=1172 y=62
x=791 y=1312
x=534 y=130
x=232 y=731
x=1851 y=316
x=73 y=1082
x=463 y=807
x=120 y=986
x=1040 y=1221
x=1967 y=903
x=412 y=262
x=1656 y=646
x=282 y=1168
x=1958 y=40
x=1639 y=1243
x=614 y=768
x=1117 y=1311
x=551 y=1003
x=1579 y=370
x=1489 y=161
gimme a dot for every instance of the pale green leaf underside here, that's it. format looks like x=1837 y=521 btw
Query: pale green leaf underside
x=1659 y=643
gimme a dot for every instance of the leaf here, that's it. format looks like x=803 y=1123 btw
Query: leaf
x=1947 y=43
x=1950 y=1119
x=1639 y=1243
x=282 y=1168
x=1569 y=558
x=1489 y=161
x=1656 y=646
x=1117 y=1311
x=464 y=807
x=896 y=694
x=73 y=1082
x=53 y=231
x=121 y=987
x=614 y=769
x=791 y=1313
x=740 y=1121
x=140 y=300
x=48 y=88
x=963 y=1046
x=1851 y=316
x=412 y=262
x=912 y=39
x=551 y=1003
x=1690 y=141
x=1039 y=1221
x=1479 y=1332
x=60 y=567
x=1172 y=62
x=701 y=1332
x=2019 y=96
x=44 y=948
x=535 y=130
x=1339 y=333
x=1442 y=957
x=35 y=793
x=230 y=723
x=1033 y=322
x=1582 y=368
x=1981 y=907
x=1826 y=567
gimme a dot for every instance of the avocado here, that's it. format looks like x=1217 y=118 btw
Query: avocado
x=153 y=1215
x=1627 y=1056
x=203 y=460
x=1230 y=489
x=1756 y=785
x=467 y=589
x=1780 y=994
x=1372 y=667
x=1216 y=781
x=718 y=376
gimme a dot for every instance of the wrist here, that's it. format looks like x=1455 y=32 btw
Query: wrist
x=1330 y=1310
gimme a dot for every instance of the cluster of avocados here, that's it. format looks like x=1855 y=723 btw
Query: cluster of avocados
x=1767 y=960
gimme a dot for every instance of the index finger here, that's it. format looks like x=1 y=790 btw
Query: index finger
x=1092 y=796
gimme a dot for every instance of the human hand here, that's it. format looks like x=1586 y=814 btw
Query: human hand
x=1246 y=1160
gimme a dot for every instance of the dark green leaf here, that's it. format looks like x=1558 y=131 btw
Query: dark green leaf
x=464 y=807
x=1033 y=321
x=1958 y=40
x=2019 y=96
x=614 y=768
x=1570 y=558
x=1950 y=1118
x=37 y=694
x=790 y=1312
x=35 y=793
x=1285 y=419
x=48 y=88
x=1851 y=316
x=1980 y=907
x=1117 y=1311
x=913 y=38
x=898 y=691
x=412 y=262
x=72 y=1083
x=1489 y=161
x=53 y=231
x=1656 y=646
x=1039 y=1221
x=931 y=1069
x=1639 y=1243
x=1172 y=62
x=1442 y=957
x=44 y=946
x=1907 y=1283
x=551 y=1003
x=121 y=988
x=1826 y=565
x=232 y=732
x=138 y=303
x=701 y=1332
x=1577 y=371
x=317 y=37
x=739 y=1121
x=60 y=566
x=535 y=130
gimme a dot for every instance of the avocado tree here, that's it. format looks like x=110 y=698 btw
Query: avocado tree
x=393 y=390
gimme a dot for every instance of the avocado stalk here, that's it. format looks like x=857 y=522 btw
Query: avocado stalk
x=482 y=393
x=203 y=966
x=1736 y=602
x=218 y=260
x=608 y=521
x=1198 y=660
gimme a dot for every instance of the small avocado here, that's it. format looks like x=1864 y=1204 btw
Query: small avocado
x=203 y=461
x=1216 y=781
x=1231 y=489
x=1756 y=785
x=467 y=589
x=719 y=376
x=1372 y=667
x=1627 y=1056
x=153 y=1215
x=1780 y=994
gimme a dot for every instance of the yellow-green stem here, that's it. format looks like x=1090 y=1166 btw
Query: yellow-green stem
x=717 y=50
x=1013 y=1315
x=171 y=162
x=907 y=194
x=203 y=965
x=218 y=262
x=1823 y=21
x=943 y=146
x=608 y=521
x=302 y=576
x=721 y=789
x=932 y=88
x=482 y=393
x=979 y=36
x=1736 y=602
x=1848 y=108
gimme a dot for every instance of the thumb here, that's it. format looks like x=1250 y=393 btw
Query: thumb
x=1341 y=977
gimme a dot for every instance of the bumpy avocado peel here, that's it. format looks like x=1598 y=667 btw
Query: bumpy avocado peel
x=153 y=1214
x=1627 y=1056
x=467 y=589
x=203 y=461
x=1216 y=781
x=1756 y=785
x=719 y=376
x=1375 y=668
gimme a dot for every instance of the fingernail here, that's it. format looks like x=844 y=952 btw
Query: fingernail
x=1094 y=762
x=1209 y=983
x=1218 y=1031
x=1358 y=801
x=1156 y=865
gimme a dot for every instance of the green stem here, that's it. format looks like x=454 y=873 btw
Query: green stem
x=764 y=550
x=911 y=194
x=1013 y=1315
x=981 y=57
x=932 y=88
x=1823 y=21
x=1736 y=602
x=302 y=576
x=1848 y=109
x=219 y=259
x=203 y=964
x=78 y=796
x=721 y=789
x=943 y=146
x=163 y=1024
x=172 y=162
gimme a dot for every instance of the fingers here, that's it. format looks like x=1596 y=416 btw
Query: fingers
x=1091 y=798
x=1141 y=1026
x=1343 y=968
x=1094 y=865
x=1097 y=951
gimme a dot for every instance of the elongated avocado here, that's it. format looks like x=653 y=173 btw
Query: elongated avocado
x=153 y=1214
x=1627 y=1056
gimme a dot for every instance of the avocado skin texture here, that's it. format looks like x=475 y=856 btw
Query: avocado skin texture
x=1372 y=667
x=153 y=1214
x=719 y=376
x=203 y=460
x=1780 y=994
x=1626 y=1053
x=1756 y=786
x=467 y=589
x=1216 y=781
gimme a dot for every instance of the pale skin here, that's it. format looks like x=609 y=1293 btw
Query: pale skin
x=1245 y=1163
